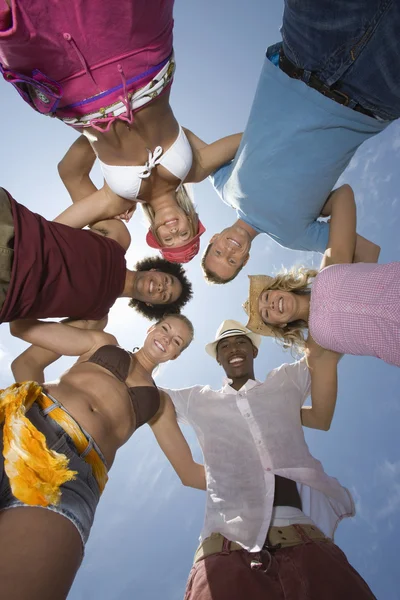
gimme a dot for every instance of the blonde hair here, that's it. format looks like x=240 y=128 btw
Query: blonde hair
x=185 y=202
x=297 y=280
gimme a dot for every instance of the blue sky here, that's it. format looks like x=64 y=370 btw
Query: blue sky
x=147 y=524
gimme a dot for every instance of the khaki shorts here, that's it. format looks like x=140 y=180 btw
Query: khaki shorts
x=6 y=245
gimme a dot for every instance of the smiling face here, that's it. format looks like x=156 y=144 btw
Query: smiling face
x=167 y=339
x=277 y=307
x=236 y=355
x=156 y=287
x=173 y=227
x=228 y=252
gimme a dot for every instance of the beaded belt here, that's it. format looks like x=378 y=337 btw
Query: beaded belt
x=44 y=95
x=136 y=100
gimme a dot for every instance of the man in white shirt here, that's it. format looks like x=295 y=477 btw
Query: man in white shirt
x=271 y=509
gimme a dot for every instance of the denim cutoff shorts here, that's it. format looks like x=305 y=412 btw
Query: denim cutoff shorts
x=79 y=497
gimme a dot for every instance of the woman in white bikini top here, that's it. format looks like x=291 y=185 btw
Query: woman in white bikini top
x=113 y=84
x=143 y=162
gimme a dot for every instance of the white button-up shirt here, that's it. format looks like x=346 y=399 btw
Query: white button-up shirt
x=247 y=437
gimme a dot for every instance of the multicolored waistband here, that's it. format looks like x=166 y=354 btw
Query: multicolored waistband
x=130 y=99
x=36 y=473
x=99 y=111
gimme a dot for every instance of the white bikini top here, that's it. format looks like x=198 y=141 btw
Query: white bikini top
x=126 y=180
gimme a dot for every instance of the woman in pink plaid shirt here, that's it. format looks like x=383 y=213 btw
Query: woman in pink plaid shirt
x=348 y=308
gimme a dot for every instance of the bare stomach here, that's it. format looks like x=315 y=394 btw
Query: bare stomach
x=126 y=144
x=99 y=403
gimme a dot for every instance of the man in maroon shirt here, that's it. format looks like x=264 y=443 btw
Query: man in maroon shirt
x=48 y=269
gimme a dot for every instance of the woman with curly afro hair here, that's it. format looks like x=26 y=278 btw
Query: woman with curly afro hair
x=169 y=270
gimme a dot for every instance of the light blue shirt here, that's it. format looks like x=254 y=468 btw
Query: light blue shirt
x=295 y=146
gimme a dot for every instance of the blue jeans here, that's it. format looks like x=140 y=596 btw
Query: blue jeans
x=79 y=497
x=351 y=44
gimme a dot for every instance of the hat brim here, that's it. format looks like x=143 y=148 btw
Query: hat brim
x=211 y=348
x=258 y=283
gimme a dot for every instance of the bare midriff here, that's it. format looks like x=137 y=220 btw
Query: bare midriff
x=126 y=143
x=99 y=402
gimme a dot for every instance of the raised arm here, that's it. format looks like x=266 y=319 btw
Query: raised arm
x=366 y=251
x=90 y=205
x=30 y=365
x=345 y=245
x=342 y=233
x=209 y=157
x=59 y=337
x=175 y=447
x=74 y=169
x=98 y=206
x=323 y=370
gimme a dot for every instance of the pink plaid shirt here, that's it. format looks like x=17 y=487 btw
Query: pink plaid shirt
x=355 y=309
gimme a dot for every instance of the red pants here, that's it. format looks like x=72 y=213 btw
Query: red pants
x=309 y=571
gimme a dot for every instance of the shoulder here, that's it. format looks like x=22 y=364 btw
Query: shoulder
x=115 y=230
x=180 y=402
x=101 y=338
x=328 y=279
x=220 y=177
x=183 y=392
x=98 y=339
x=184 y=397
x=289 y=371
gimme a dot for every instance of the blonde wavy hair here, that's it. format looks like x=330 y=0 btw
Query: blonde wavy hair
x=185 y=202
x=297 y=280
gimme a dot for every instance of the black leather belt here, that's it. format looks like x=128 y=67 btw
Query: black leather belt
x=340 y=97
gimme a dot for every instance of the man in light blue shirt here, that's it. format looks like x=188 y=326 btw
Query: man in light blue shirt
x=322 y=92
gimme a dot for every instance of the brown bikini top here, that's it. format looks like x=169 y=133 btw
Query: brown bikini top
x=145 y=399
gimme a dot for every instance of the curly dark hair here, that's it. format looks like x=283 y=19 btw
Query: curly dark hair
x=157 y=311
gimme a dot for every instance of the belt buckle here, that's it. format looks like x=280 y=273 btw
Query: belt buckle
x=271 y=547
x=342 y=95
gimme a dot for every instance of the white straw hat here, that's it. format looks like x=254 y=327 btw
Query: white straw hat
x=230 y=328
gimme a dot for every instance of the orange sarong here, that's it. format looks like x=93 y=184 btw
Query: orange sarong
x=35 y=472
